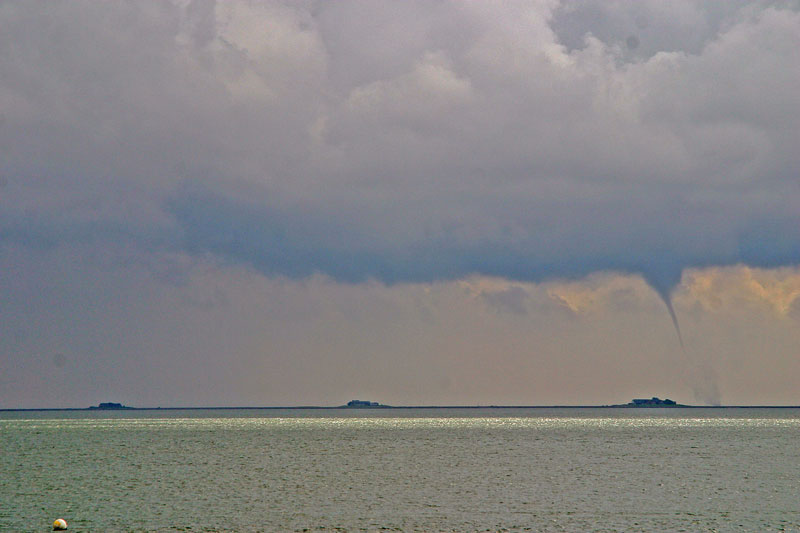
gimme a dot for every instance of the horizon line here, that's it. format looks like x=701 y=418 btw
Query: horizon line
x=380 y=407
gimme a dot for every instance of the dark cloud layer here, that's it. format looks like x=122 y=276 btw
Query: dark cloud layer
x=407 y=141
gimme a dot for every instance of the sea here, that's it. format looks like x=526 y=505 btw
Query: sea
x=472 y=469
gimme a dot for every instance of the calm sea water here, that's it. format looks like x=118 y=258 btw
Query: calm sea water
x=406 y=470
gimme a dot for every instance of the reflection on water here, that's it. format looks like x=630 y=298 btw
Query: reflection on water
x=602 y=469
x=365 y=423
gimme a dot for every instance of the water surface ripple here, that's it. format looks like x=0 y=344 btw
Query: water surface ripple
x=548 y=470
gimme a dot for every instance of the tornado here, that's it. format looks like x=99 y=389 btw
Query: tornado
x=701 y=377
x=663 y=281
x=667 y=299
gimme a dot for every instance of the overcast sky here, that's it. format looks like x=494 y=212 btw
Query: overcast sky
x=409 y=202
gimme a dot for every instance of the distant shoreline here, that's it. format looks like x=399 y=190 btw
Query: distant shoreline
x=394 y=407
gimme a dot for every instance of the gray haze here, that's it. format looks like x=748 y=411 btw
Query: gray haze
x=377 y=146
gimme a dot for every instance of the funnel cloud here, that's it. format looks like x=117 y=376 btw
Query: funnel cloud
x=674 y=317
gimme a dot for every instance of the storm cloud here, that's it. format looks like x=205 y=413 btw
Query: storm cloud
x=407 y=141
x=397 y=143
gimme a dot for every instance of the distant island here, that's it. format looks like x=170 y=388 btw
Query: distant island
x=651 y=402
x=110 y=405
x=361 y=404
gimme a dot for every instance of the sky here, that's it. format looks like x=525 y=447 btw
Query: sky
x=411 y=202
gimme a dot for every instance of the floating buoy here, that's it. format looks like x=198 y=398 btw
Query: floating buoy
x=60 y=525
